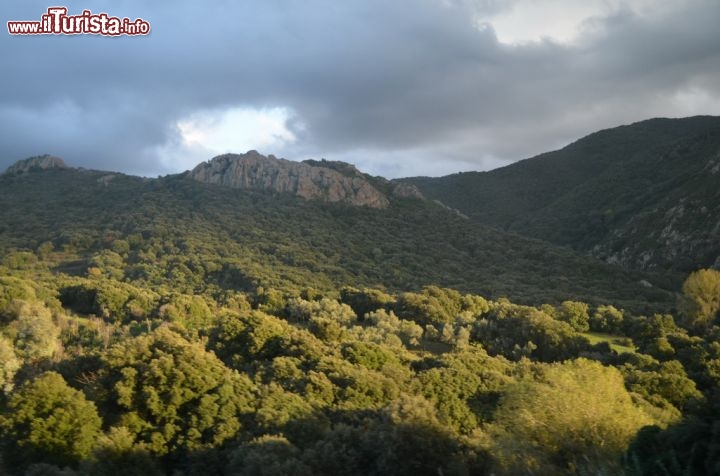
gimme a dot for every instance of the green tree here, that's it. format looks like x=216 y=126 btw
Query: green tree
x=107 y=263
x=20 y=260
x=365 y=300
x=174 y=395
x=407 y=331
x=270 y=300
x=576 y=416
x=193 y=312
x=663 y=381
x=368 y=354
x=576 y=314
x=48 y=421
x=702 y=298
x=514 y=331
x=11 y=289
x=35 y=332
x=433 y=305
x=241 y=338
x=268 y=456
x=9 y=365
x=45 y=249
x=116 y=454
x=327 y=309
x=280 y=410
x=606 y=319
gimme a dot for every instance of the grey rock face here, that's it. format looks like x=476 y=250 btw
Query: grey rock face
x=258 y=172
x=41 y=162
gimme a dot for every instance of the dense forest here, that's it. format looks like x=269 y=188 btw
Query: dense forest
x=644 y=195
x=167 y=327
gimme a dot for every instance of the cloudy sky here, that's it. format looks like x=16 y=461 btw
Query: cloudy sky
x=400 y=88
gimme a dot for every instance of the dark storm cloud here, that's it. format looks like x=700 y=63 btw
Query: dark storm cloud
x=410 y=81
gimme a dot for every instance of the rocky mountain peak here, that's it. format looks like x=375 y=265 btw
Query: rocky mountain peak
x=344 y=168
x=32 y=164
x=310 y=179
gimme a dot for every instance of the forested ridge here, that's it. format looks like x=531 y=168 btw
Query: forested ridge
x=220 y=237
x=168 y=327
x=644 y=195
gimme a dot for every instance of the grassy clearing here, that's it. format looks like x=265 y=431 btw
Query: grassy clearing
x=619 y=344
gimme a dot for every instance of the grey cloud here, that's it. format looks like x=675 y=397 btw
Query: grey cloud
x=404 y=83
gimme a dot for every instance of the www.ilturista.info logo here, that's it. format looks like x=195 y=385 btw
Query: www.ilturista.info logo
x=57 y=22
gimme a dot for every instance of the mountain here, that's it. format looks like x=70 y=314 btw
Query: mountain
x=320 y=180
x=227 y=226
x=202 y=323
x=41 y=162
x=645 y=195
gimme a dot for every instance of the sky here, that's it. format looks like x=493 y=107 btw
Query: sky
x=399 y=88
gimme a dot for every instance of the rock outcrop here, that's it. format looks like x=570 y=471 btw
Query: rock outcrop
x=407 y=190
x=41 y=162
x=309 y=180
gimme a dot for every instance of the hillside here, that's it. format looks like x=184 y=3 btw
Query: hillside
x=161 y=231
x=221 y=323
x=645 y=195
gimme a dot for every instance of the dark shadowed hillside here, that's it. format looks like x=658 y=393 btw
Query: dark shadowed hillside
x=646 y=195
